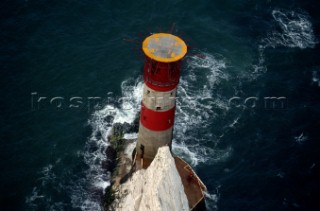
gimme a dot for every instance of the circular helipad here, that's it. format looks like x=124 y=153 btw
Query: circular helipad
x=164 y=47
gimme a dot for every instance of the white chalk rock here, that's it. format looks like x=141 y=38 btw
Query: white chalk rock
x=158 y=188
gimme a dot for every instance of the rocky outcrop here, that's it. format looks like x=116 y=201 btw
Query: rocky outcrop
x=158 y=188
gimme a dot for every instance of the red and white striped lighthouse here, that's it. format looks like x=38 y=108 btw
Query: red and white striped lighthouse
x=161 y=76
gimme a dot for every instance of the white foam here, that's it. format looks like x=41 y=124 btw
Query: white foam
x=39 y=195
x=301 y=138
x=184 y=151
x=102 y=184
x=211 y=200
x=260 y=67
x=235 y=122
x=197 y=108
x=130 y=136
x=198 y=153
x=316 y=77
x=296 y=30
x=96 y=175
x=47 y=175
x=30 y=200
x=212 y=65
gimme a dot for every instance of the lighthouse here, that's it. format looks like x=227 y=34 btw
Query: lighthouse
x=161 y=74
x=163 y=54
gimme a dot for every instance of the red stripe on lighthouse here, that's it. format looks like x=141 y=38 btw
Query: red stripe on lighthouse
x=161 y=76
x=157 y=120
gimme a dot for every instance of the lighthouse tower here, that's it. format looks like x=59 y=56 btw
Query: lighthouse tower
x=161 y=76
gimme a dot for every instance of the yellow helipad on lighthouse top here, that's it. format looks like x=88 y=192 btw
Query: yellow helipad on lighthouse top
x=164 y=47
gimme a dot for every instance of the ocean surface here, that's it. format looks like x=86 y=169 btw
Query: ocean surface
x=248 y=107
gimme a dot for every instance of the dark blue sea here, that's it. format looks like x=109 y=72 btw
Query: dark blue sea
x=248 y=107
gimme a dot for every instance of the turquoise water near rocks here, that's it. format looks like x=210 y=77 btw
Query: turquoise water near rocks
x=251 y=155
